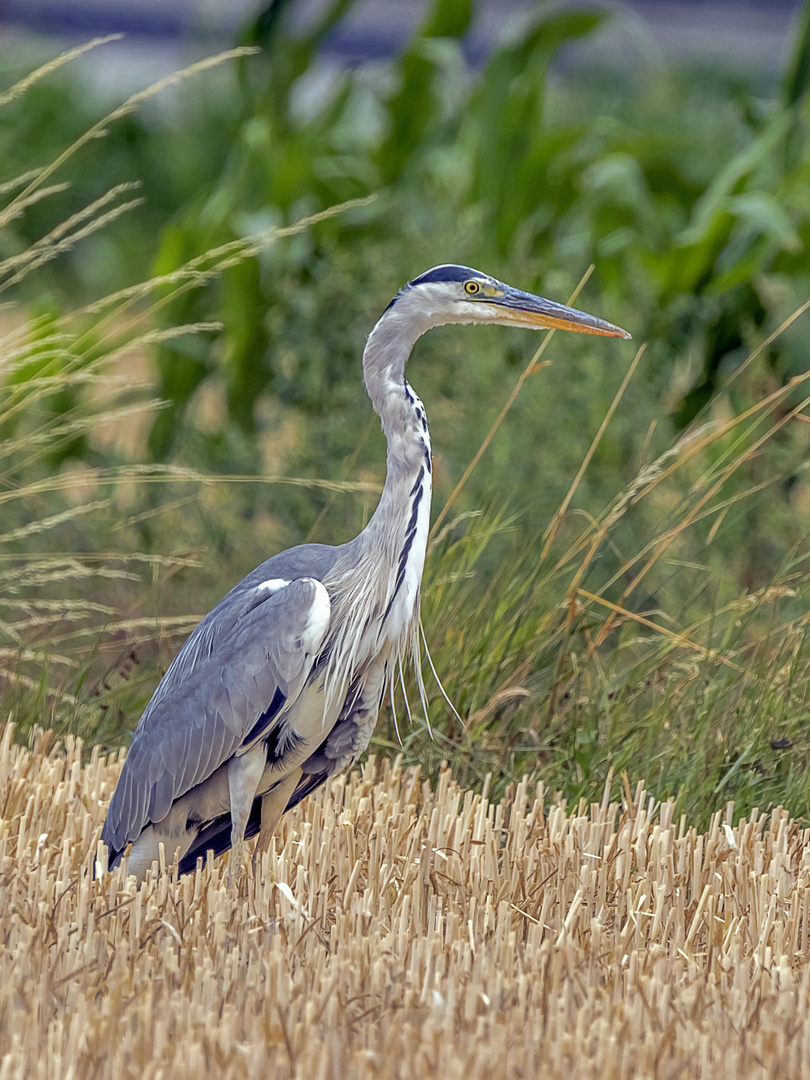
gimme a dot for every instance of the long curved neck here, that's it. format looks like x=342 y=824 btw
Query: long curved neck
x=385 y=356
x=376 y=599
x=398 y=529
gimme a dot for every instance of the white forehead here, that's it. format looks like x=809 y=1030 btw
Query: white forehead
x=431 y=303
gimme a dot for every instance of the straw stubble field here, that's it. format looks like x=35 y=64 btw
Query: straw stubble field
x=399 y=931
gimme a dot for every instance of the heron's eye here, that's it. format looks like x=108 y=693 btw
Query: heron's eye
x=471 y=287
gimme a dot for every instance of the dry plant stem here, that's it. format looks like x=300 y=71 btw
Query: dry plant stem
x=664 y=541
x=719 y=509
x=196 y=272
x=184 y=278
x=33 y=528
x=23 y=178
x=39 y=560
x=680 y=639
x=193 y=274
x=161 y=474
x=603 y=527
x=67 y=233
x=551 y=531
x=347 y=470
x=176 y=624
x=93 y=373
x=129 y=106
x=530 y=369
x=722 y=508
x=21 y=87
x=37 y=196
x=394 y=932
x=47 y=438
x=594 y=539
x=687 y=448
x=797 y=625
x=767 y=342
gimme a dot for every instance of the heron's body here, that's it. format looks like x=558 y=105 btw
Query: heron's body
x=279 y=687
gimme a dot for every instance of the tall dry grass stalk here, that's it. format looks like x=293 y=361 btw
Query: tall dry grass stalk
x=64 y=379
x=534 y=365
x=397 y=931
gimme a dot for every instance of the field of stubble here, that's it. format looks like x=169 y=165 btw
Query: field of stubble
x=400 y=931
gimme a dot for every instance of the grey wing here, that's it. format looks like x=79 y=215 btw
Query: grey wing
x=226 y=688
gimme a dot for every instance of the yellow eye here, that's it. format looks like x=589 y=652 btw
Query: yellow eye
x=471 y=287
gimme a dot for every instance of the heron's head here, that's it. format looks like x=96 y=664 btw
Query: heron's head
x=457 y=294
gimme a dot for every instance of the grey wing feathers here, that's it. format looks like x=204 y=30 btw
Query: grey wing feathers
x=250 y=655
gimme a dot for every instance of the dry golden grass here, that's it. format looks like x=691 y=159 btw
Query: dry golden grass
x=395 y=931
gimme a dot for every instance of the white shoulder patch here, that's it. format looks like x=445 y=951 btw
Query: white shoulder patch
x=319 y=615
x=272 y=584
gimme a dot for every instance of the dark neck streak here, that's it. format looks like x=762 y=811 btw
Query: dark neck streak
x=403 y=421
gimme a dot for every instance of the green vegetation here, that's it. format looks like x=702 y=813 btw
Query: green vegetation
x=620 y=584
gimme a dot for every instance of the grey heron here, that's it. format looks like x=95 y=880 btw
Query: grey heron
x=278 y=688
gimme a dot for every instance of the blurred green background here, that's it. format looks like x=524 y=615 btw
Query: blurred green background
x=685 y=185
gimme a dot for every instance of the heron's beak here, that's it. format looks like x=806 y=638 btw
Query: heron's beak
x=524 y=309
